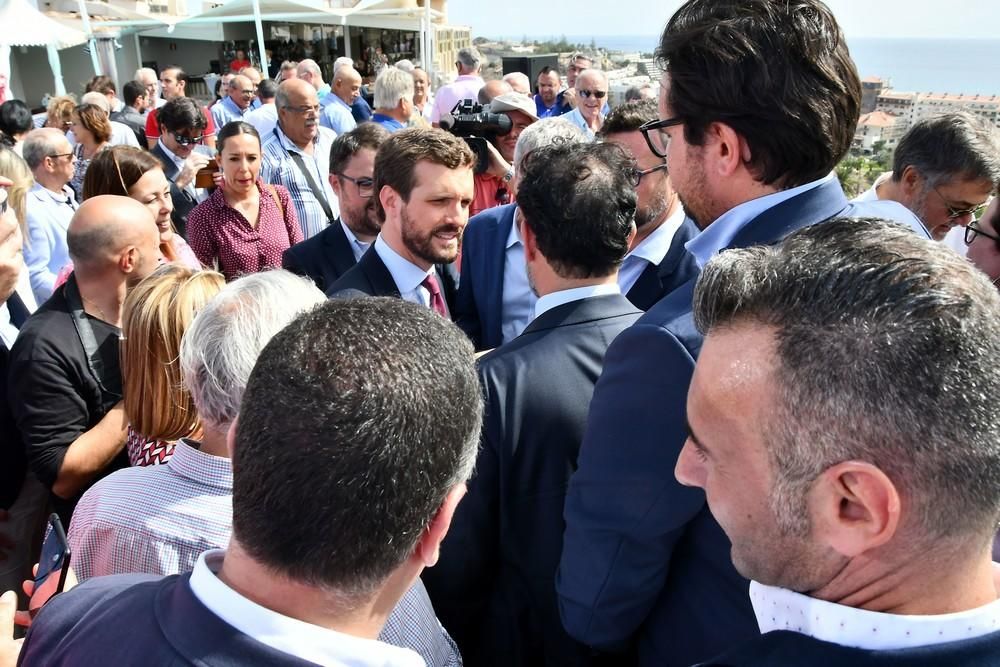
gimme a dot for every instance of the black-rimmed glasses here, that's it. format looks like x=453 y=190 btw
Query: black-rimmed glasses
x=972 y=231
x=59 y=155
x=637 y=174
x=658 y=140
x=366 y=186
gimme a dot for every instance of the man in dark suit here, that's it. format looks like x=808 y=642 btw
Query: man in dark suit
x=832 y=431
x=331 y=253
x=495 y=301
x=494 y=586
x=657 y=261
x=183 y=125
x=750 y=151
x=423 y=189
x=324 y=543
x=136 y=102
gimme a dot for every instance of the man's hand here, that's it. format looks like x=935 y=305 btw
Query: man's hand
x=193 y=163
x=11 y=259
x=23 y=618
x=498 y=166
x=569 y=97
x=10 y=648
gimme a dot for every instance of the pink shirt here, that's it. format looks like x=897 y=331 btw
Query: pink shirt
x=465 y=87
x=220 y=233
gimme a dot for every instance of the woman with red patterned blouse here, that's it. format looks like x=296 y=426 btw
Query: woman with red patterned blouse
x=245 y=225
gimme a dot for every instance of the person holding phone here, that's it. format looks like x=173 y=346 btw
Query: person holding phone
x=246 y=224
x=179 y=150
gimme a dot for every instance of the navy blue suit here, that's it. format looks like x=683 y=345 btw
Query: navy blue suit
x=324 y=257
x=493 y=587
x=643 y=559
x=184 y=201
x=138 y=619
x=676 y=268
x=783 y=647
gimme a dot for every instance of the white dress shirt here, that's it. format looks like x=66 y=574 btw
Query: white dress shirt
x=721 y=233
x=358 y=247
x=517 y=299
x=407 y=275
x=871 y=194
x=264 y=118
x=554 y=299
x=782 y=609
x=651 y=250
x=289 y=635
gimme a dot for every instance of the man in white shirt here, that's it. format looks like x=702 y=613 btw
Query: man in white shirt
x=324 y=542
x=944 y=169
x=264 y=117
x=832 y=430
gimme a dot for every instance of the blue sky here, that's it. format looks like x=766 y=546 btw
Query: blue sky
x=859 y=18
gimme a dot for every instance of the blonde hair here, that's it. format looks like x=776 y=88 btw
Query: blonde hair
x=155 y=316
x=16 y=169
x=60 y=109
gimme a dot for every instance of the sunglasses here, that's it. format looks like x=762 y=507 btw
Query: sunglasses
x=597 y=94
x=186 y=141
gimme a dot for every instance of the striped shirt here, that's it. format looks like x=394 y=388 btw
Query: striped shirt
x=278 y=168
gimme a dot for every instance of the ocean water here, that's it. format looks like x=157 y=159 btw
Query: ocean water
x=917 y=65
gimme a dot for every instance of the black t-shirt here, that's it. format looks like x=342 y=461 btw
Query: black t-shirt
x=54 y=395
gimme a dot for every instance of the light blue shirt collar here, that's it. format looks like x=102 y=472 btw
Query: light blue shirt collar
x=721 y=233
x=170 y=154
x=332 y=98
x=514 y=237
x=555 y=299
x=405 y=274
x=358 y=247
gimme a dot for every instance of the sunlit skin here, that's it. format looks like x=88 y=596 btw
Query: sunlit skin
x=152 y=190
x=298 y=125
x=934 y=204
x=171 y=87
x=656 y=199
x=590 y=107
x=984 y=252
x=347 y=85
x=240 y=163
x=241 y=91
x=419 y=88
x=548 y=87
x=506 y=142
x=357 y=212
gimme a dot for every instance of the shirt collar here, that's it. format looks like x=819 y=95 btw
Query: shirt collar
x=721 y=233
x=333 y=98
x=284 y=633
x=654 y=247
x=189 y=461
x=287 y=143
x=555 y=299
x=514 y=236
x=42 y=191
x=468 y=77
x=228 y=101
x=782 y=609
x=170 y=154
x=386 y=120
x=405 y=273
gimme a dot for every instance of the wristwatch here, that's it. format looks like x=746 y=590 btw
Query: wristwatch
x=508 y=176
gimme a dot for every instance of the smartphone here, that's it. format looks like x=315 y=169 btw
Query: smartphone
x=53 y=565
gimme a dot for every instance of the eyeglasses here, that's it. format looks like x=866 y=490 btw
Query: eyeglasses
x=597 y=94
x=248 y=93
x=972 y=230
x=953 y=212
x=304 y=109
x=3 y=200
x=658 y=140
x=366 y=186
x=186 y=141
x=637 y=174
x=69 y=155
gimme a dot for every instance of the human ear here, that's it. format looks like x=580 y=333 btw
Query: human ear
x=855 y=508
x=429 y=547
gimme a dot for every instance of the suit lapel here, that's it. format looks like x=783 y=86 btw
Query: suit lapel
x=494 y=269
x=646 y=287
x=377 y=274
x=339 y=246
x=170 y=169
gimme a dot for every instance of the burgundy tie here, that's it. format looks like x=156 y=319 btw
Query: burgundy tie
x=437 y=303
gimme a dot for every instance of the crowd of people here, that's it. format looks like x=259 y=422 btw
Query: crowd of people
x=311 y=379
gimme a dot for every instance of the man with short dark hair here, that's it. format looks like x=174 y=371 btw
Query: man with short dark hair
x=751 y=150
x=183 y=125
x=860 y=498
x=494 y=587
x=943 y=169
x=331 y=253
x=422 y=193
x=549 y=98
x=235 y=105
x=324 y=542
x=657 y=262
x=136 y=101
x=173 y=84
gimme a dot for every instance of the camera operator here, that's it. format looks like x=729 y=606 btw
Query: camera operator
x=495 y=186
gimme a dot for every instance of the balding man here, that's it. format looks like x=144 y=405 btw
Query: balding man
x=255 y=77
x=493 y=89
x=309 y=71
x=236 y=103
x=591 y=96
x=337 y=105
x=65 y=383
x=50 y=206
x=465 y=87
x=518 y=82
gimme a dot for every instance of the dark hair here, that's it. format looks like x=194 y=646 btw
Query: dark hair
x=546 y=70
x=95 y=120
x=132 y=91
x=882 y=339
x=579 y=200
x=102 y=84
x=628 y=117
x=234 y=128
x=398 y=157
x=181 y=75
x=268 y=89
x=949 y=146
x=345 y=450
x=778 y=73
x=181 y=113
x=365 y=135
x=115 y=170
x=15 y=118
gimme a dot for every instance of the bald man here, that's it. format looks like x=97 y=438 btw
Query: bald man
x=493 y=89
x=65 y=383
x=236 y=103
x=255 y=77
x=337 y=104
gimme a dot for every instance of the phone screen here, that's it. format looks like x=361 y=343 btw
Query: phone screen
x=53 y=565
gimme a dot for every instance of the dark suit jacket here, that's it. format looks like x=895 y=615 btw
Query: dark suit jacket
x=479 y=304
x=676 y=268
x=183 y=201
x=781 y=648
x=494 y=586
x=167 y=625
x=643 y=557
x=324 y=257
x=370 y=277
x=134 y=120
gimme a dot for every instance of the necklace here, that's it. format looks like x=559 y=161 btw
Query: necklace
x=99 y=309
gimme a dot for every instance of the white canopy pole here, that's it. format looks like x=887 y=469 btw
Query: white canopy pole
x=56 y=68
x=91 y=42
x=429 y=41
x=260 y=36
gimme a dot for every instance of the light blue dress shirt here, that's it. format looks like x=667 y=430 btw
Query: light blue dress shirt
x=46 y=252
x=651 y=250
x=405 y=274
x=555 y=299
x=336 y=114
x=225 y=111
x=358 y=247
x=577 y=119
x=518 y=299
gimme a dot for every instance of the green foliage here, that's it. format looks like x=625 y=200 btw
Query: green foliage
x=857 y=172
x=554 y=46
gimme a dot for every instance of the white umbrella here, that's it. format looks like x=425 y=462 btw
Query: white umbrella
x=23 y=25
